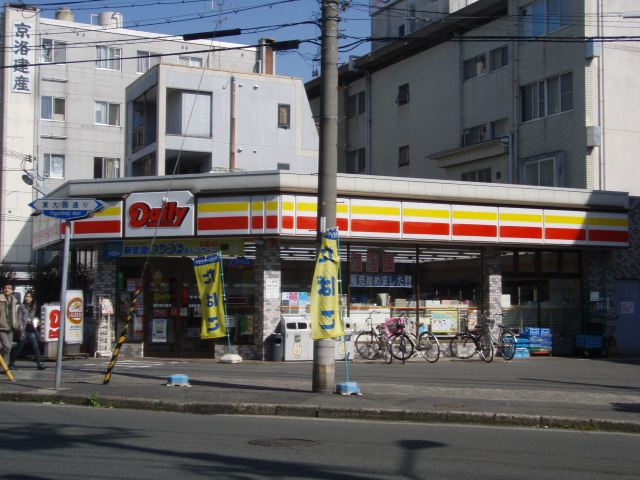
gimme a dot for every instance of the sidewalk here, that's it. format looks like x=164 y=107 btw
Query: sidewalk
x=551 y=392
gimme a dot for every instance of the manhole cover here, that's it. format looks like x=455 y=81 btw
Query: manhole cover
x=283 y=442
x=449 y=405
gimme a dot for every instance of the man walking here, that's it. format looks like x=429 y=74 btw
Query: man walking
x=8 y=320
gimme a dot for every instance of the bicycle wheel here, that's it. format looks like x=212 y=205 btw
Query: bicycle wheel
x=429 y=346
x=462 y=346
x=486 y=349
x=508 y=344
x=386 y=353
x=401 y=346
x=367 y=346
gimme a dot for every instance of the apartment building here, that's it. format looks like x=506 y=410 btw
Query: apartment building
x=63 y=103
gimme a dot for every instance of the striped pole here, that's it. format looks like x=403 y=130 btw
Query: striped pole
x=5 y=369
x=123 y=337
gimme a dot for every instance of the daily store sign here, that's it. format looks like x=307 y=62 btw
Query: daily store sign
x=159 y=214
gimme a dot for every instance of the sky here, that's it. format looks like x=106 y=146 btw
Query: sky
x=257 y=18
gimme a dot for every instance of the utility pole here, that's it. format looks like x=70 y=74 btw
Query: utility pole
x=323 y=350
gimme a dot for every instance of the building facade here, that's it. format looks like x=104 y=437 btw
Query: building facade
x=63 y=103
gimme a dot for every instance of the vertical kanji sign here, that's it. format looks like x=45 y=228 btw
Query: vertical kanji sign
x=326 y=316
x=23 y=57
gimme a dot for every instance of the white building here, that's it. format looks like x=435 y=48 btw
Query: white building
x=63 y=103
x=535 y=92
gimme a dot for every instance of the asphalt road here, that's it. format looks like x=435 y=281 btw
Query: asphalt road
x=70 y=442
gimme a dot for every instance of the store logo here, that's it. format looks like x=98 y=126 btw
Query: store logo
x=170 y=215
x=75 y=311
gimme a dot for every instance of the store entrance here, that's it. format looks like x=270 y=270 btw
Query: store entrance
x=174 y=319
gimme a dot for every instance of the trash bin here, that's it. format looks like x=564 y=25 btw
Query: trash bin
x=278 y=347
x=297 y=338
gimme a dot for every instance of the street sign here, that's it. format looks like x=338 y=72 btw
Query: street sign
x=66 y=208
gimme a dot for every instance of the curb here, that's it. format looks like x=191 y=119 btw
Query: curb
x=314 y=411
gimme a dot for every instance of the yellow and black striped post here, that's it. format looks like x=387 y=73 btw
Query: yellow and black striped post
x=123 y=337
x=5 y=369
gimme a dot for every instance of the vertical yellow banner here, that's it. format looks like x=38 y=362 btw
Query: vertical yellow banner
x=326 y=316
x=209 y=275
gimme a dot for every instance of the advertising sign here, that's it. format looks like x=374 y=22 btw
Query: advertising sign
x=50 y=318
x=74 y=309
x=159 y=214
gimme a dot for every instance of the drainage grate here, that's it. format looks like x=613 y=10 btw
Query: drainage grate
x=283 y=442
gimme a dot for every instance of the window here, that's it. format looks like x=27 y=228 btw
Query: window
x=146 y=60
x=107 y=114
x=474 y=135
x=499 y=58
x=482 y=175
x=106 y=167
x=356 y=104
x=475 y=67
x=403 y=156
x=499 y=128
x=284 y=166
x=190 y=61
x=284 y=113
x=109 y=58
x=53 y=166
x=53 y=108
x=544 y=16
x=403 y=94
x=53 y=51
x=144 y=167
x=548 y=97
x=356 y=161
x=540 y=172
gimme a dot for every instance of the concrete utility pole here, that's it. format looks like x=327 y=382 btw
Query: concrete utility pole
x=323 y=350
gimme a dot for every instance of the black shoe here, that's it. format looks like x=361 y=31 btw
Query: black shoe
x=41 y=366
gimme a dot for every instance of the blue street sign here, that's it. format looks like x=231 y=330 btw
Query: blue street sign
x=66 y=208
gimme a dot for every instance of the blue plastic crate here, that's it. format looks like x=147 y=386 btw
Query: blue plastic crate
x=522 y=353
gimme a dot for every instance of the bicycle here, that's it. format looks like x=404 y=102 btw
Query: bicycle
x=507 y=341
x=482 y=345
x=405 y=344
x=373 y=343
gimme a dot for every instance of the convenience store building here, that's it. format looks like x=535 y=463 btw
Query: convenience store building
x=444 y=251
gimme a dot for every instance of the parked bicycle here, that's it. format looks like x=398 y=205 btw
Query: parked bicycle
x=506 y=341
x=374 y=342
x=404 y=343
x=467 y=343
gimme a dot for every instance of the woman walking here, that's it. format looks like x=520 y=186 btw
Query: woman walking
x=28 y=324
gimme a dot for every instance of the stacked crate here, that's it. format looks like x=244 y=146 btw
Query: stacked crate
x=539 y=340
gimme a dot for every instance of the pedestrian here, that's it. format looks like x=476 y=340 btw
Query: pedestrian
x=8 y=320
x=28 y=329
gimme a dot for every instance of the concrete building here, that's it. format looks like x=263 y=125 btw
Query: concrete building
x=63 y=103
x=503 y=91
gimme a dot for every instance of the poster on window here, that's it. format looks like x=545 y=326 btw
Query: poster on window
x=388 y=263
x=159 y=330
x=373 y=262
x=356 y=262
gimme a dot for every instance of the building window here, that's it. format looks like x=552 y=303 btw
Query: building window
x=356 y=104
x=474 y=135
x=284 y=115
x=540 y=172
x=190 y=61
x=544 y=16
x=53 y=108
x=499 y=58
x=499 y=128
x=403 y=94
x=144 y=167
x=403 y=156
x=53 y=51
x=109 y=58
x=107 y=114
x=482 y=175
x=106 y=167
x=475 y=67
x=356 y=161
x=53 y=166
x=548 y=97
x=284 y=166
x=146 y=60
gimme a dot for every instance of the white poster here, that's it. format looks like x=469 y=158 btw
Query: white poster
x=159 y=330
x=74 y=324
